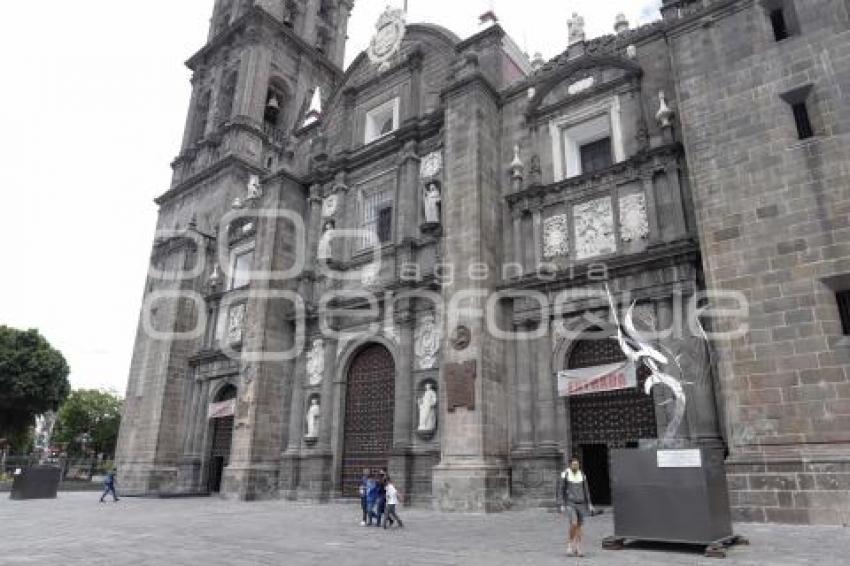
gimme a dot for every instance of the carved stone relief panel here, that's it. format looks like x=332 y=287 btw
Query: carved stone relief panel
x=427 y=342
x=556 y=238
x=634 y=224
x=594 y=226
x=235 y=319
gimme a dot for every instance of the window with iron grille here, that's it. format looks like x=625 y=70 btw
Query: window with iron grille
x=843 y=298
x=376 y=218
x=596 y=155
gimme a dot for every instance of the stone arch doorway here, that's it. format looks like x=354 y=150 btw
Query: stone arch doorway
x=369 y=415
x=222 y=435
x=606 y=420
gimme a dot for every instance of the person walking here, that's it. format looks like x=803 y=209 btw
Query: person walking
x=392 y=503
x=371 y=499
x=576 y=501
x=109 y=485
x=381 y=502
x=364 y=501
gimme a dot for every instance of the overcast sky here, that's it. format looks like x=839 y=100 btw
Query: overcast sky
x=92 y=110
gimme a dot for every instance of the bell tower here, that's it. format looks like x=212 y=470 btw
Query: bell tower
x=251 y=82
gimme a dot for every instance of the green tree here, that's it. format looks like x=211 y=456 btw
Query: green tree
x=89 y=417
x=33 y=380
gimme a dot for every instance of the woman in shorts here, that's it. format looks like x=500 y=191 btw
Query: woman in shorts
x=576 y=498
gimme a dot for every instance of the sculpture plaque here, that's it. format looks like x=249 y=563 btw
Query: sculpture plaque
x=460 y=385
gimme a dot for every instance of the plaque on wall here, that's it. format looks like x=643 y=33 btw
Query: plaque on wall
x=460 y=385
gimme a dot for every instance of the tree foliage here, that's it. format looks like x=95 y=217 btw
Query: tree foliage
x=33 y=380
x=90 y=414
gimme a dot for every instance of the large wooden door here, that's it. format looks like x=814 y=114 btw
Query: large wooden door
x=611 y=419
x=222 y=437
x=369 y=409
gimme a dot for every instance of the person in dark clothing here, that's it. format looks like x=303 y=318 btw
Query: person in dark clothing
x=372 y=489
x=381 y=502
x=109 y=485
x=364 y=500
x=576 y=500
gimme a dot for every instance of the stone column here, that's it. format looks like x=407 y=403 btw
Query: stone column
x=519 y=257
x=524 y=393
x=678 y=208
x=258 y=422
x=651 y=209
x=546 y=394
x=409 y=198
x=537 y=227
x=473 y=473
x=405 y=407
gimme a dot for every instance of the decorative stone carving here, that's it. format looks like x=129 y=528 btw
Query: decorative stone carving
x=330 y=205
x=314 y=417
x=432 y=199
x=316 y=362
x=427 y=342
x=387 y=40
x=556 y=240
x=428 y=410
x=461 y=338
x=235 y=319
x=432 y=165
x=594 y=226
x=575 y=28
x=370 y=275
x=634 y=224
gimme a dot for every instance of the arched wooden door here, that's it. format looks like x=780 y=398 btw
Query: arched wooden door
x=369 y=412
x=222 y=436
x=606 y=420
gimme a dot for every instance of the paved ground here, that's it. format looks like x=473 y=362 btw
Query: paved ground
x=76 y=529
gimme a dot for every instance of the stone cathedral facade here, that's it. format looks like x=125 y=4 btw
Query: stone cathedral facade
x=391 y=266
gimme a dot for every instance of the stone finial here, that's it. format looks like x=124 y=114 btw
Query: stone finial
x=665 y=113
x=314 y=113
x=537 y=61
x=621 y=24
x=575 y=28
x=517 y=166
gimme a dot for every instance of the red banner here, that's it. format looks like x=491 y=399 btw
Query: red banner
x=595 y=379
x=223 y=409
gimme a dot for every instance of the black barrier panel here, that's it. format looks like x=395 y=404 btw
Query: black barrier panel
x=36 y=482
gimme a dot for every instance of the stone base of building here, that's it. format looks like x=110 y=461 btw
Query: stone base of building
x=315 y=478
x=146 y=480
x=472 y=486
x=801 y=489
x=534 y=477
x=251 y=483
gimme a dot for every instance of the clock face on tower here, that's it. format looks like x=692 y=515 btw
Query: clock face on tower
x=432 y=164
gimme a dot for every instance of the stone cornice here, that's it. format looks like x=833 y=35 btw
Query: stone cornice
x=579 y=273
x=720 y=8
x=468 y=81
x=194 y=181
x=257 y=14
x=640 y=164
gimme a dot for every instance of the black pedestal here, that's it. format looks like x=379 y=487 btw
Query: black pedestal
x=677 y=496
x=36 y=482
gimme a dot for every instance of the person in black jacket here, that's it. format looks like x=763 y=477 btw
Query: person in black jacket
x=576 y=500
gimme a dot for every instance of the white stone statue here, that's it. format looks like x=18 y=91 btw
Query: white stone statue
x=324 y=249
x=575 y=27
x=428 y=409
x=432 y=200
x=427 y=342
x=314 y=415
x=316 y=362
x=254 y=189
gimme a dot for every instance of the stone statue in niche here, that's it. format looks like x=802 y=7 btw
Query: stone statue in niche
x=254 y=189
x=428 y=410
x=314 y=415
x=324 y=251
x=236 y=317
x=316 y=362
x=432 y=199
x=427 y=342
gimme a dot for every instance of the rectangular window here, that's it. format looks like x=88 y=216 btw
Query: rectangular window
x=780 y=26
x=376 y=218
x=242 y=263
x=382 y=120
x=596 y=155
x=843 y=298
x=801 y=118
